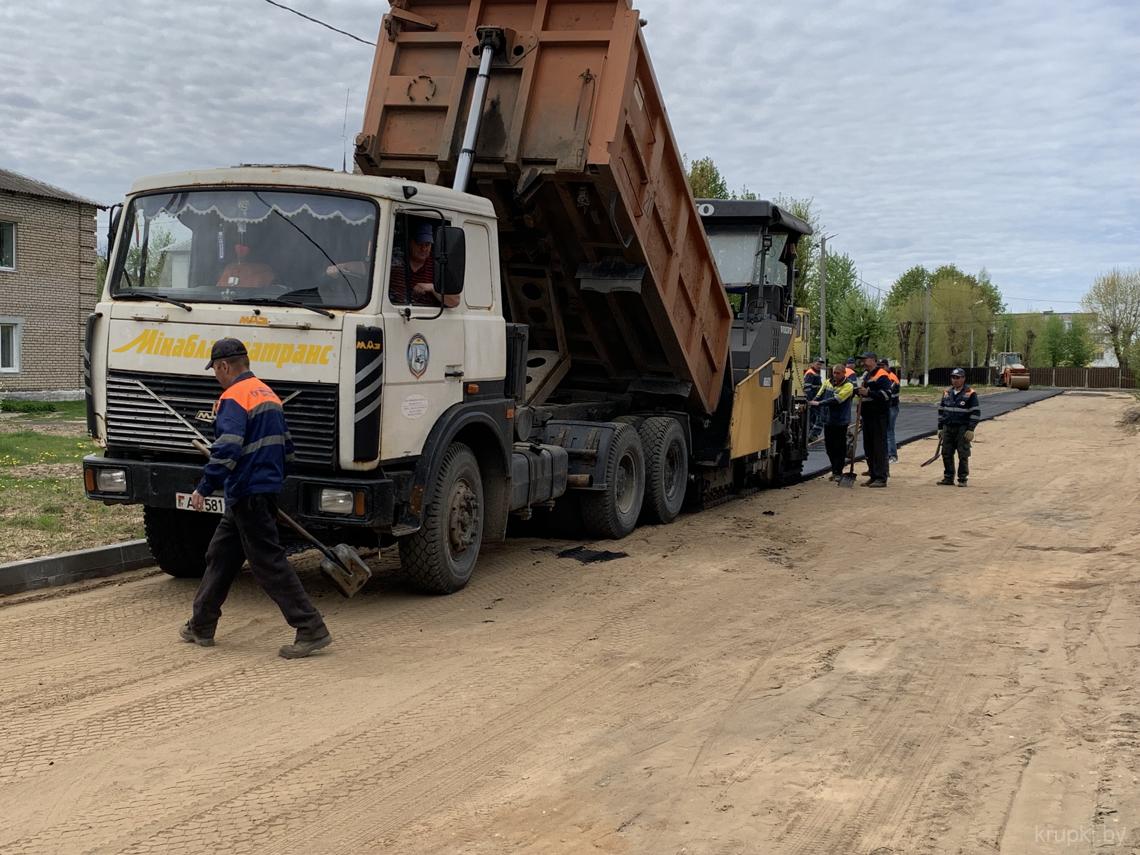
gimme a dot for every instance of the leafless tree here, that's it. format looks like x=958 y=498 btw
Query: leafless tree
x=1115 y=300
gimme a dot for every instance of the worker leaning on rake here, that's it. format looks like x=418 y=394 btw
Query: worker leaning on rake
x=248 y=457
x=958 y=415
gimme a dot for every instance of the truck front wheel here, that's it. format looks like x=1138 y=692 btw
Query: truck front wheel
x=613 y=512
x=178 y=540
x=440 y=557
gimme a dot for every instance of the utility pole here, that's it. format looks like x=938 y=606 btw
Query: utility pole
x=822 y=297
x=926 y=336
x=971 y=346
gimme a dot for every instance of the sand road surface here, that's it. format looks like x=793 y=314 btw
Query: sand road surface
x=920 y=669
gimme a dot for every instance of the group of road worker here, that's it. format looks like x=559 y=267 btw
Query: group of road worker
x=875 y=393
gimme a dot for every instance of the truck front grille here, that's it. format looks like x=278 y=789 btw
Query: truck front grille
x=136 y=420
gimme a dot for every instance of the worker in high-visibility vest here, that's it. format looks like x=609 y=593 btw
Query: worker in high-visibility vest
x=893 y=416
x=813 y=378
x=875 y=390
x=958 y=415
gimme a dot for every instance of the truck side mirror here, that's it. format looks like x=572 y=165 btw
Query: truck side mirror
x=114 y=215
x=449 y=256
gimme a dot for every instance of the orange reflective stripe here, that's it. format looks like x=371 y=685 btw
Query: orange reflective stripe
x=249 y=393
x=877 y=375
x=894 y=378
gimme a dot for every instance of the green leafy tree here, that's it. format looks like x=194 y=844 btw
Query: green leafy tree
x=807 y=259
x=860 y=324
x=1080 y=349
x=1052 y=345
x=1115 y=300
x=914 y=281
x=990 y=292
x=705 y=180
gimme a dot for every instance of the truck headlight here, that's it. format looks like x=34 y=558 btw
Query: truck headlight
x=111 y=480
x=335 y=501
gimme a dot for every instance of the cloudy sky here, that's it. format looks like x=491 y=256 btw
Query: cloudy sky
x=1003 y=135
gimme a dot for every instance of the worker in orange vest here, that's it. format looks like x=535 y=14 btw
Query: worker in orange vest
x=875 y=390
x=892 y=448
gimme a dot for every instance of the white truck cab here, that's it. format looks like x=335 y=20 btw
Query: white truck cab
x=371 y=339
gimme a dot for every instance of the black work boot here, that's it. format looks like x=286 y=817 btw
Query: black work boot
x=947 y=481
x=191 y=635
x=304 y=645
x=961 y=482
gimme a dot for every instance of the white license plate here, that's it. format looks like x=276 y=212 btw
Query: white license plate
x=214 y=504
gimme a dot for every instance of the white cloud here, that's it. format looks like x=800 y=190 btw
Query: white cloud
x=1001 y=135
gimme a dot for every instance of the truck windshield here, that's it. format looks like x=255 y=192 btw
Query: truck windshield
x=247 y=245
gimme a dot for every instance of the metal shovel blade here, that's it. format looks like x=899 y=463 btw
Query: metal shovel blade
x=349 y=573
x=847 y=479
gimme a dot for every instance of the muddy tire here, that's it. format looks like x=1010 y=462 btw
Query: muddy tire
x=613 y=512
x=666 y=468
x=441 y=556
x=178 y=540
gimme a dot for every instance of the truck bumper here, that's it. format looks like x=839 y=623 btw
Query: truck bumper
x=155 y=484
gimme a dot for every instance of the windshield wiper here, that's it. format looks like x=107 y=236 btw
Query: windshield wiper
x=150 y=295
x=277 y=301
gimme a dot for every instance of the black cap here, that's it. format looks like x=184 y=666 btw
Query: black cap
x=817 y=359
x=883 y=363
x=850 y=360
x=870 y=354
x=957 y=372
x=226 y=348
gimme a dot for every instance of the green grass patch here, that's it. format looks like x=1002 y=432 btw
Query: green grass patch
x=52 y=409
x=34 y=522
x=44 y=516
x=27 y=446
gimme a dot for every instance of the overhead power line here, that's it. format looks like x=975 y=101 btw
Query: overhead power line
x=322 y=23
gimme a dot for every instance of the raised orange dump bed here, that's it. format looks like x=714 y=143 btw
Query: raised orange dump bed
x=603 y=252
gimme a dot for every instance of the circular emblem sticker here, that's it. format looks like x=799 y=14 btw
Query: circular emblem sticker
x=418 y=355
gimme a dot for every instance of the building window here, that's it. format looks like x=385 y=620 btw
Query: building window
x=7 y=246
x=10 y=345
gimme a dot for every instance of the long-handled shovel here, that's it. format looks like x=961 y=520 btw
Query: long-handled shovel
x=342 y=564
x=937 y=451
x=847 y=479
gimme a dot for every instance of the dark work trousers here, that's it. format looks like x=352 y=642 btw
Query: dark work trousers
x=892 y=446
x=835 y=441
x=954 y=439
x=875 y=421
x=249 y=530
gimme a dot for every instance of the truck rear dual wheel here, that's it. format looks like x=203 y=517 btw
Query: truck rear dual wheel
x=666 y=468
x=178 y=540
x=441 y=556
x=613 y=512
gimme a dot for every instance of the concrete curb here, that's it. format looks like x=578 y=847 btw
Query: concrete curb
x=68 y=567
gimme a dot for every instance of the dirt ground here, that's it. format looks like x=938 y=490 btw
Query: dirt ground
x=920 y=669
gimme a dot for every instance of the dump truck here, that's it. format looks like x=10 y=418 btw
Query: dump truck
x=512 y=307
